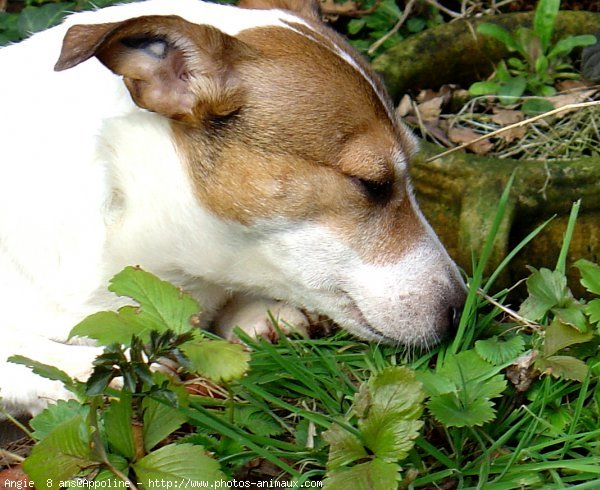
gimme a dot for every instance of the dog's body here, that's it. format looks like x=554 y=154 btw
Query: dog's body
x=243 y=151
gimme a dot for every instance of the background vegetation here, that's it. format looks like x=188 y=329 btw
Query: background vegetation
x=512 y=401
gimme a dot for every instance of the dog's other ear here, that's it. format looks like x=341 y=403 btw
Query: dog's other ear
x=182 y=70
x=306 y=8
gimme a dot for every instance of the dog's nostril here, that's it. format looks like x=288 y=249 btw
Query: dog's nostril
x=454 y=315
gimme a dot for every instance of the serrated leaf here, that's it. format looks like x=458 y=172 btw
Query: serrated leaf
x=558 y=336
x=217 y=360
x=387 y=407
x=590 y=275
x=476 y=383
x=372 y=475
x=451 y=412
x=162 y=305
x=499 y=351
x=118 y=422
x=593 y=310
x=174 y=465
x=55 y=414
x=344 y=447
x=44 y=370
x=256 y=421
x=435 y=383
x=573 y=316
x=110 y=327
x=160 y=420
x=547 y=289
x=395 y=404
x=62 y=455
x=566 y=367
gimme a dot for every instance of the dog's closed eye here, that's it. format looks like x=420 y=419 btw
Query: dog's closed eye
x=376 y=191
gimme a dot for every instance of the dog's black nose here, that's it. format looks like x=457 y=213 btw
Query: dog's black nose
x=454 y=315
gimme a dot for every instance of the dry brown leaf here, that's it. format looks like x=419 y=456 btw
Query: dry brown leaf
x=330 y=7
x=505 y=117
x=465 y=135
x=513 y=134
x=431 y=109
x=562 y=100
x=405 y=106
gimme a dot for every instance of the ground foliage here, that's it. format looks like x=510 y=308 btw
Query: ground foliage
x=511 y=402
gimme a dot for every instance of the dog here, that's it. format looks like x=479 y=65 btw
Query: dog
x=247 y=154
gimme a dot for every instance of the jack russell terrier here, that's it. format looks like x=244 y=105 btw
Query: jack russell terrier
x=241 y=151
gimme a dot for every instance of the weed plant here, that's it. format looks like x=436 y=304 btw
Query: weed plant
x=510 y=402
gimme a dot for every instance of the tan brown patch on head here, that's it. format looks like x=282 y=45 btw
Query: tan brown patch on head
x=313 y=141
x=306 y=8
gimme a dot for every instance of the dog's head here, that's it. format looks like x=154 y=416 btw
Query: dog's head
x=288 y=136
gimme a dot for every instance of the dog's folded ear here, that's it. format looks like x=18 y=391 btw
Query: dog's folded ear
x=306 y=8
x=182 y=70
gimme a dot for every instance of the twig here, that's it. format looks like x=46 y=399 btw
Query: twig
x=515 y=125
x=11 y=456
x=511 y=313
x=394 y=30
x=352 y=13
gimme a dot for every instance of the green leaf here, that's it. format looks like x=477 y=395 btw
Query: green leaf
x=62 y=455
x=434 y=383
x=541 y=65
x=160 y=420
x=572 y=315
x=536 y=105
x=372 y=475
x=593 y=310
x=118 y=421
x=395 y=403
x=109 y=327
x=558 y=336
x=256 y=421
x=566 y=367
x=35 y=19
x=162 y=305
x=484 y=88
x=499 y=351
x=476 y=382
x=511 y=90
x=355 y=26
x=544 y=20
x=55 y=414
x=450 y=411
x=500 y=34
x=590 y=275
x=547 y=289
x=566 y=45
x=344 y=447
x=217 y=360
x=387 y=407
x=44 y=370
x=174 y=465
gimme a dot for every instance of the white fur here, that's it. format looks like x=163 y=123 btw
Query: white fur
x=90 y=183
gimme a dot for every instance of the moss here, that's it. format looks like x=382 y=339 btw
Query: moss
x=455 y=53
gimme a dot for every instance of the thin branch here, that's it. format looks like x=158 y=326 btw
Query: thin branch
x=511 y=313
x=566 y=107
x=395 y=29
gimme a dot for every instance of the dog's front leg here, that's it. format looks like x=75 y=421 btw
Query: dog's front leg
x=26 y=393
x=255 y=316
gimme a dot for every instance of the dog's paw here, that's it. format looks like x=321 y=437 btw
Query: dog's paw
x=258 y=317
